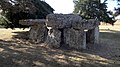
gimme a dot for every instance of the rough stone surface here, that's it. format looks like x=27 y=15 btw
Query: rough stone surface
x=53 y=38
x=62 y=20
x=79 y=24
x=90 y=24
x=84 y=41
x=85 y=24
x=38 y=33
x=74 y=38
x=32 y=22
x=96 y=35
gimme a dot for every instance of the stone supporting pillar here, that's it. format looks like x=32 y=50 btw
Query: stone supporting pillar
x=96 y=32
x=53 y=38
x=38 y=33
x=84 y=41
x=74 y=38
x=33 y=33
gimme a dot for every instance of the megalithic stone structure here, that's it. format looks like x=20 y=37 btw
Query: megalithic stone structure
x=38 y=30
x=59 y=30
x=72 y=29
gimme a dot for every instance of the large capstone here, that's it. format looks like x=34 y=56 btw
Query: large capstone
x=32 y=22
x=90 y=24
x=86 y=24
x=62 y=20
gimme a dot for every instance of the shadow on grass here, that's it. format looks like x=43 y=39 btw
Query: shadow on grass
x=113 y=35
x=110 y=36
x=19 y=52
x=110 y=30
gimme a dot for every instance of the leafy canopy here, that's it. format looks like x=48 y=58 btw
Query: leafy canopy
x=15 y=10
x=92 y=9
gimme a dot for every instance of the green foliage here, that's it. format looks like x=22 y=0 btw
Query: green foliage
x=15 y=10
x=91 y=9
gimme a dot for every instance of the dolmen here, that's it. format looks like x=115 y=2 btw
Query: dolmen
x=64 y=30
x=38 y=29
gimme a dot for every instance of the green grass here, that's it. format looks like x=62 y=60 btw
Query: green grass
x=110 y=36
x=110 y=33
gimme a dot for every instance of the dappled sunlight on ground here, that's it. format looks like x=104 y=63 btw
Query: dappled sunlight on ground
x=18 y=51
x=24 y=54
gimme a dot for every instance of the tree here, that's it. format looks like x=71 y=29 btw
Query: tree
x=91 y=9
x=117 y=9
x=15 y=10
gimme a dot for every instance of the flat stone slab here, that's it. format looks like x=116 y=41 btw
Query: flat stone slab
x=70 y=20
x=86 y=24
x=62 y=20
x=31 y=22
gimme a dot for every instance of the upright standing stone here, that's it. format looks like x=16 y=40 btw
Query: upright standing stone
x=40 y=31
x=84 y=41
x=96 y=35
x=53 y=38
x=74 y=38
x=33 y=33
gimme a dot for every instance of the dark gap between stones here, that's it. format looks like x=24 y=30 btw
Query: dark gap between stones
x=62 y=43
